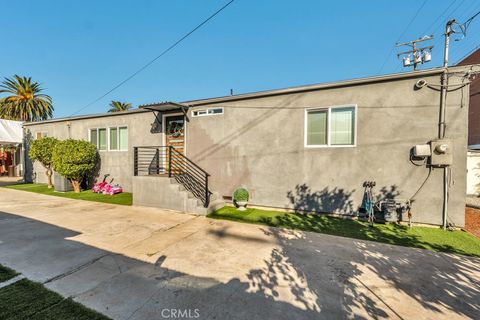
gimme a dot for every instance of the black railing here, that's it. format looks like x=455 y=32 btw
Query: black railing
x=167 y=161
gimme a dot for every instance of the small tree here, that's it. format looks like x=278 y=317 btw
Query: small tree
x=41 y=150
x=73 y=159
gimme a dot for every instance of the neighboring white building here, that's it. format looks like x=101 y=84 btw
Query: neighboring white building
x=11 y=141
x=473 y=172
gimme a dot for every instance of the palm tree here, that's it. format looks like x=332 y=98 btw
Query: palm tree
x=25 y=102
x=116 y=106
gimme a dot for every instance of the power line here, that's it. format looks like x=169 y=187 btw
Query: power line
x=438 y=40
x=464 y=27
x=440 y=16
x=154 y=59
x=402 y=34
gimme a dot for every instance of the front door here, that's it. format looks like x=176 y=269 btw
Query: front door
x=175 y=132
x=175 y=137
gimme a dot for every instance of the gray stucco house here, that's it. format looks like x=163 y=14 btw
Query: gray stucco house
x=308 y=148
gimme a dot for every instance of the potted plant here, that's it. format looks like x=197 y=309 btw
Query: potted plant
x=240 y=198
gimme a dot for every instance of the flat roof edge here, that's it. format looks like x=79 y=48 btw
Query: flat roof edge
x=320 y=86
x=88 y=116
x=267 y=93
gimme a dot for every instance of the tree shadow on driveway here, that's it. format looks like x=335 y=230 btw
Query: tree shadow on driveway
x=306 y=276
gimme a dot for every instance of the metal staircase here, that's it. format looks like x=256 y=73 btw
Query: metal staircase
x=165 y=161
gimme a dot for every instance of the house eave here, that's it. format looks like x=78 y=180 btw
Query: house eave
x=259 y=94
x=88 y=116
x=314 y=87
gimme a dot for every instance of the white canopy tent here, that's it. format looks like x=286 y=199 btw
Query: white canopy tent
x=11 y=135
x=11 y=132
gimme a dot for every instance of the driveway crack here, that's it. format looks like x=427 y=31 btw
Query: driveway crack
x=67 y=273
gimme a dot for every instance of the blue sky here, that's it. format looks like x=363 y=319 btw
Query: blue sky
x=79 y=50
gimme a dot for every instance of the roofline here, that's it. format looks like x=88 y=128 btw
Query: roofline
x=88 y=116
x=267 y=93
x=319 y=86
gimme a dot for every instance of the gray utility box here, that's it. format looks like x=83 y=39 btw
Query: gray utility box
x=61 y=184
x=442 y=152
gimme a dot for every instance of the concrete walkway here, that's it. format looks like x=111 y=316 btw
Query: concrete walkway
x=5 y=181
x=143 y=263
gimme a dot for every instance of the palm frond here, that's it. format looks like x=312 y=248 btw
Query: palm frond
x=25 y=102
x=116 y=106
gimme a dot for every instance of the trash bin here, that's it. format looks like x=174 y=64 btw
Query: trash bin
x=11 y=171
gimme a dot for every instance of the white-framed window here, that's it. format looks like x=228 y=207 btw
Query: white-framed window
x=333 y=126
x=111 y=138
x=208 y=112
x=41 y=134
x=118 y=138
x=98 y=136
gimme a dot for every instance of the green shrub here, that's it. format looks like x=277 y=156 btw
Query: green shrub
x=41 y=150
x=241 y=194
x=73 y=159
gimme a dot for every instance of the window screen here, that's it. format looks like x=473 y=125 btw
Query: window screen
x=94 y=137
x=113 y=139
x=317 y=127
x=102 y=139
x=123 y=138
x=342 y=124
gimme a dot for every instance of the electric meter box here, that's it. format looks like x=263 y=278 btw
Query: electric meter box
x=442 y=152
x=422 y=150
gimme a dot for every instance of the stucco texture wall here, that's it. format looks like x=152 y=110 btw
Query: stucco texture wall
x=119 y=164
x=259 y=143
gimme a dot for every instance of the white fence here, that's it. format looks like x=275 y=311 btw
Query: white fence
x=473 y=173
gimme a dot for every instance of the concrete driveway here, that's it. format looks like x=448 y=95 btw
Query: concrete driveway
x=144 y=263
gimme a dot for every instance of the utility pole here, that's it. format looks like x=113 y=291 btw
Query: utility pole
x=441 y=122
x=416 y=56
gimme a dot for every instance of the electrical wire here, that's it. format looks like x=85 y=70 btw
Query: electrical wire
x=421 y=186
x=437 y=40
x=402 y=34
x=440 y=16
x=176 y=43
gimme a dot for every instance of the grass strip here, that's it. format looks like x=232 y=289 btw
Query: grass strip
x=435 y=239
x=124 y=198
x=6 y=273
x=30 y=300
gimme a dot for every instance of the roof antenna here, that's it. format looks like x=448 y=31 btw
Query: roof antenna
x=231 y=92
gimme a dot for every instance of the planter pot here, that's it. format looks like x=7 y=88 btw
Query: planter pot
x=61 y=184
x=242 y=205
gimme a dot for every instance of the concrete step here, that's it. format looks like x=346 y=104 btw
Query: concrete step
x=214 y=205
x=192 y=203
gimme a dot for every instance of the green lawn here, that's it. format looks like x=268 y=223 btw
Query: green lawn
x=6 y=273
x=124 y=198
x=30 y=300
x=420 y=237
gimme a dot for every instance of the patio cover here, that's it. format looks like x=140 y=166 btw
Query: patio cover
x=11 y=132
x=167 y=106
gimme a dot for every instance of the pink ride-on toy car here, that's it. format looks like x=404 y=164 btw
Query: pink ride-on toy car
x=112 y=189
x=107 y=188
x=98 y=187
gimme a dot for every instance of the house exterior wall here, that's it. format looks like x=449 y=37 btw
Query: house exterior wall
x=259 y=144
x=119 y=164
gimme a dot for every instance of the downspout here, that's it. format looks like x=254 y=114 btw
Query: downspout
x=441 y=123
